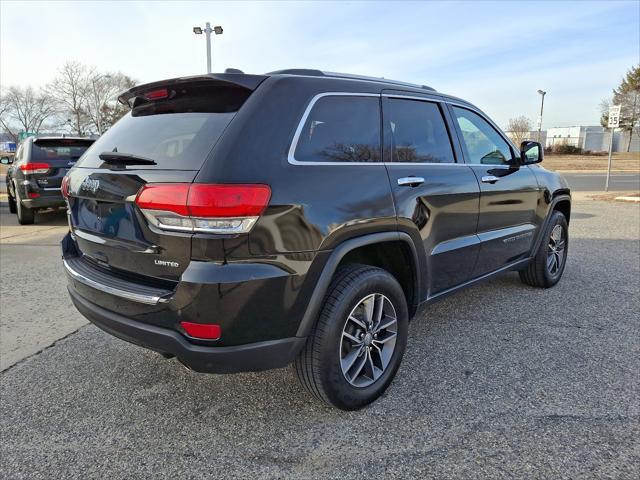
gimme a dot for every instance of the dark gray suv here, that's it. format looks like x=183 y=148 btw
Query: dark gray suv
x=245 y=222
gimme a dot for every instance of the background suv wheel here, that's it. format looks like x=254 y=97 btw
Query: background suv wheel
x=26 y=216
x=11 y=201
x=358 y=342
x=547 y=266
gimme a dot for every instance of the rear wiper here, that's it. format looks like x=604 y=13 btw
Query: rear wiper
x=117 y=158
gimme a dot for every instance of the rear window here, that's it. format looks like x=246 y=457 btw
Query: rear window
x=177 y=132
x=341 y=129
x=63 y=149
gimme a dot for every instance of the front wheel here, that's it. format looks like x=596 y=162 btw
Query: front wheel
x=357 y=345
x=12 y=202
x=547 y=266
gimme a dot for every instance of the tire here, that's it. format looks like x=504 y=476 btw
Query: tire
x=26 y=216
x=355 y=290
x=12 y=202
x=547 y=266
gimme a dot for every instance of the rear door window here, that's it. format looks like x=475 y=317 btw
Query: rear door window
x=415 y=132
x=177 y=131
x=341 y=129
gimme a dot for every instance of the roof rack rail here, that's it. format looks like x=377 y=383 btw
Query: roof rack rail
x=377 y=79
x=319 y=73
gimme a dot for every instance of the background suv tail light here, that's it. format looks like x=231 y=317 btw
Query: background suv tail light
x=29 y=168
x=199 y=207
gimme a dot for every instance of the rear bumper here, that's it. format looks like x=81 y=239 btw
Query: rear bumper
x=241 y=358
x=45 y=201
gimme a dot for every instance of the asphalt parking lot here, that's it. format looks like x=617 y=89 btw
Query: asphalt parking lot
x=498 y=381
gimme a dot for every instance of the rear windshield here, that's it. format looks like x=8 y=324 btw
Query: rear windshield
x=177 y=132
x=69 y=149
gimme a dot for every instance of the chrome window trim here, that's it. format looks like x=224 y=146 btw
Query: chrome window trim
x=136 y=297
x=296 y=137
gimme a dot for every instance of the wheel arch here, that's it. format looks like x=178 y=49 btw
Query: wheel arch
x=560 y=202
x=367 y=249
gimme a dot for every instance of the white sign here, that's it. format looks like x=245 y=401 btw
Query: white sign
x=614 y=116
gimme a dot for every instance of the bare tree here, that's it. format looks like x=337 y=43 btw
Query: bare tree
x=25 y=109
x=627 y=95
x=102 y=106
x=518 y=129
x=70 y=89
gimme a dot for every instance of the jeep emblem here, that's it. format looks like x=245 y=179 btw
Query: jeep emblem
x=90 y=185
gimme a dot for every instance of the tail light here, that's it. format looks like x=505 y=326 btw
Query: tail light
x=64 y=187
x=202 y=330
x=29 y=168
x=199 y=207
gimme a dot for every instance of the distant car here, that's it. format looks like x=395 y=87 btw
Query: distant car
x=35 y=177
x=245 y=222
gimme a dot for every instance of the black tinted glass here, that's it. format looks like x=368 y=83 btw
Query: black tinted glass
x=341 y=129
x=482 y=143
x=177 y=132
x=43 y=150
x=415 y=132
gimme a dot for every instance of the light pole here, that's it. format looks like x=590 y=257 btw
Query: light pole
x=542 y=94
x=208 y=31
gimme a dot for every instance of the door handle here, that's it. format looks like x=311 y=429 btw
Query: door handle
x=490 y=179
x=410 y=181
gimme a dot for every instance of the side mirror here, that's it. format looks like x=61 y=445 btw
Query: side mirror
x=531 y=152
x=5 y=161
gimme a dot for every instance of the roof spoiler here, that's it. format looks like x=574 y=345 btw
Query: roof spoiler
x=250 y=82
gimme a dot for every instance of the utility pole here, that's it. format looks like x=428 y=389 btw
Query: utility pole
x=208 y=31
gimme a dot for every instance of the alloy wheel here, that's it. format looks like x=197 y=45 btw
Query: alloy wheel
x=556 y=251
x=368 y=340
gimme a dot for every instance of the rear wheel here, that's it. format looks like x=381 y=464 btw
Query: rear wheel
x=546 y=268
x=358 y=342
x=26 y=215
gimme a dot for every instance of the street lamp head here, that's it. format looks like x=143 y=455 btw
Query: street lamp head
x=197 y=30
x=542 y=92
x=218 y=30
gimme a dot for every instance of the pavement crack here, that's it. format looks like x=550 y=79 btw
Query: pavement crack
x=43 y=349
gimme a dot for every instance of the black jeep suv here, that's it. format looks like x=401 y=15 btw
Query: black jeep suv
x=34 y=179
x=244 y=222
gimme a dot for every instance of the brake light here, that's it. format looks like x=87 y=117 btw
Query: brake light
x=33 y=195
x=30 y=168
x=64 y=187
x=209 y=208
x=202 y=330
x=157 y=94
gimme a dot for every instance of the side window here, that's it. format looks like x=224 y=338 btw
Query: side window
x=414 y=131
x=483 y=145
x=341 y=129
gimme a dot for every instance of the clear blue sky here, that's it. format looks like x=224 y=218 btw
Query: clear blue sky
x=495 y=54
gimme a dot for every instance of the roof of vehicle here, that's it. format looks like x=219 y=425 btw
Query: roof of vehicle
x=235 y=77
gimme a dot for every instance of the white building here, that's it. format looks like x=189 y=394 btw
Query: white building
x=594 y=138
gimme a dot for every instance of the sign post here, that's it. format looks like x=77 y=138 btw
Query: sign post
x=614 y=122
